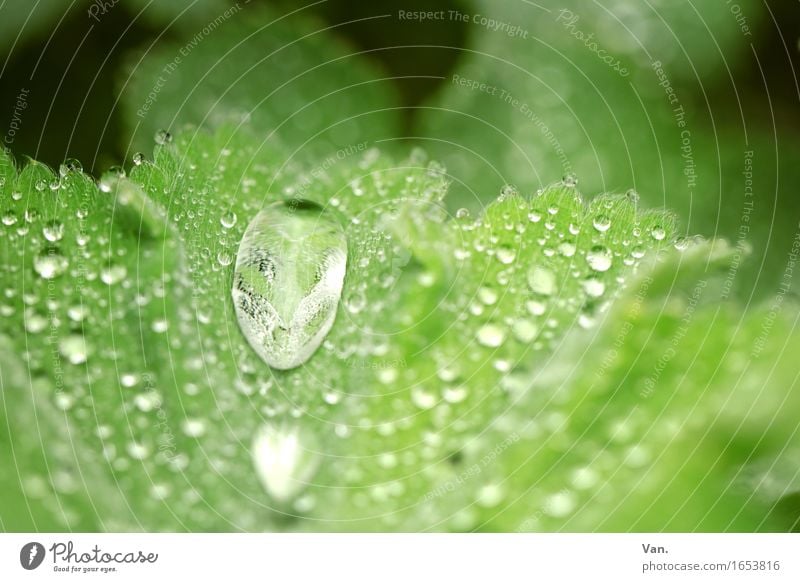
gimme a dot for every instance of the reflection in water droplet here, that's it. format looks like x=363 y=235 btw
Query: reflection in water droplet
x=288 y=281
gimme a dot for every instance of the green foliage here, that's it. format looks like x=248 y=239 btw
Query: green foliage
x=281 y=75
x=547 y=363
x=450 y=393
x=649 y=96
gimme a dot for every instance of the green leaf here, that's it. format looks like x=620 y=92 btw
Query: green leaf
x=449 y=394
x=20 y=20
x=281 y=75
x=624 y=99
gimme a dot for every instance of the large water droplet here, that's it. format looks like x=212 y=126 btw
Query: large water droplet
x=288 y=281
x=282 y=462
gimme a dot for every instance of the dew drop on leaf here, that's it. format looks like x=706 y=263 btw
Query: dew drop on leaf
x=594 y=287
x=74 y=349
x=542 y=281
x=53 y=231
x=491 y=336
x=288 y=281
x=228 y=219
x=599 y=258
x=283 y=463
x=50 y=264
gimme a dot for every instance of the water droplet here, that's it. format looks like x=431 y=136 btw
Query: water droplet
x=53 y=231
x=288 y=281
x=487 y=295
x=224 y=258
x=584 y=478
x=69 y=165
x=50 y=264
x=73 y=347
x=282 y=462
x=570 y=180
x=658 y=233
x=506 y=255
x=525 y=330
x=228 y=219
x=542 y=281
x=113 y=275
x=490 y=495
x=422 y=398
x=138 y=158
x=9 y=219
x=507 y=191
x=601 y=223
x=491 y=335
x=163 y=137
x=599 y=258
x=566 y=249
x=462 y=213
x=34 y=323
x=193 y=427
x=560 y=504
x=535 y=307
x=594 y=287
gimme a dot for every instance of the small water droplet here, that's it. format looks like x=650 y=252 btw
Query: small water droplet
x=282 y=462
x=487 y=295
x=560 y=504
x=601 y=223
x=53 y=231
x=506 y=255
x=594 y=287
x=228 y=219
x=163 y=137
x=69 y=165
x=138 y=158
x=50 y=264
x=288 y=281
x=599 y=258
x=113 y=275
x=570 y=180
x=490 y=495
x=541 y=280
x=507 y=191
x=584 y=478
x=224 y=258
x=193 y=427
x=658 y=233
x=73 y=347
x=491 y=335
